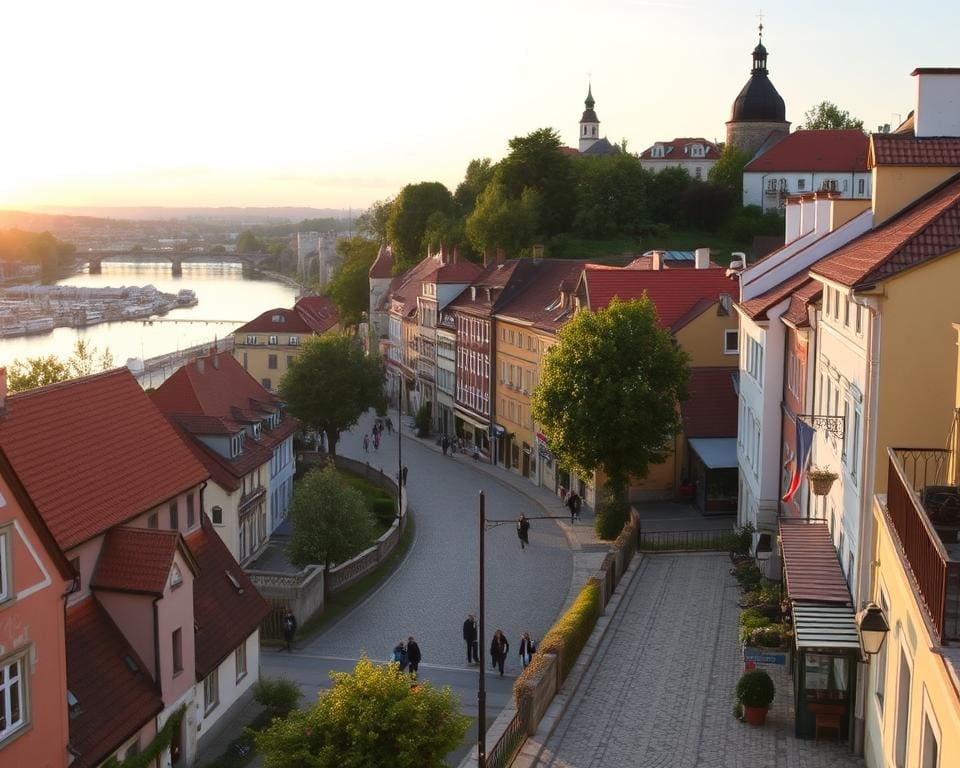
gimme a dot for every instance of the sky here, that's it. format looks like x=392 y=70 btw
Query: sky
x=339 y=104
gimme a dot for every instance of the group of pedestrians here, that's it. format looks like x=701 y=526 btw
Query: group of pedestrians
x=407 y=656
x=376 y=434
x=499 y=646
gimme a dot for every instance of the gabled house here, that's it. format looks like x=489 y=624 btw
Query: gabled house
x=695 y=156
x=267 y=344
x=244 y=437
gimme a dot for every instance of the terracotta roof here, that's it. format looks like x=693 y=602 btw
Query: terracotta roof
x=318 y=312
x=674 y=150
x=928 y=228
x=382 y=266
x=495 y=277
x=907 y=149
x=801 y=298
x=311 y=314
x=227 y=473
x=225 y=614
x=710 y=409
x=811 y=568
x=136 y=560
x=674 y=292
x=829 y=150
x=461 y=272
x=116 y=697
x=569 y=151
x=757 y=307
x=94 y=453
x=538 y=303
x=405 y=288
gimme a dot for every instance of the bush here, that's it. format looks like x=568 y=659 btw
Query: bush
x=768 y=636
x=384 y=509
x=766 y=593
x=611 y=517
x=747 y=575
x=750 y=620
x=279 y=695
x=755 y=689
x=741 y=540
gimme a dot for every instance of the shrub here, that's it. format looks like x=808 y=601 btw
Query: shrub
x=384 y=510
x=747 y=575
x=612 y=515
x=741 y=540
x=768 y=636
x=765 y=593
x=755 y=689
x=750 y=620
x=279 y=695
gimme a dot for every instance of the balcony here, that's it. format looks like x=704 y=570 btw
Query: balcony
x=923 y=509
x=250 y=499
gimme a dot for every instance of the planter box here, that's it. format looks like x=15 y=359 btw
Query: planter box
x=769 y=657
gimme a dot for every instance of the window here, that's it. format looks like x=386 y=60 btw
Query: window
x=240 y=661
x=6 y=572
x=861 y=184
x=930 y=748
x=801 y=185
x=211 y=691
x=244 y=361
x=859 y=321
x=75 y=564
x=152 y=521
x=174 y=516
x=176 y=642
x=191 y=512
x=903 y=711
x=289 y=361
x=846 y=312
x=13 y=695
x=731 y=342
x=176 y=577
x=272 y=340
x=855 y=440
x=698 y=172
x=133 y=750
x=252 y=340
x=880 y=665
x=272 y=362
x=294 y=341
x=265 y=383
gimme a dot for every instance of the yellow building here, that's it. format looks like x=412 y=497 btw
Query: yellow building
x=267 y=344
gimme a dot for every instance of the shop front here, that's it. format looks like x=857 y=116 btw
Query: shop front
x=713 y=473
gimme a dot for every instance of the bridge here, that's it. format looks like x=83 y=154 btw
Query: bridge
x=176 y=258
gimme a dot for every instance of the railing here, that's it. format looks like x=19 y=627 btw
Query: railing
x=509 y=743
x=936 y=575
x=660 y=541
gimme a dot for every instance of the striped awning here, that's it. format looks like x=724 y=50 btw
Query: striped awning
x=810 y=565
x=825 y=627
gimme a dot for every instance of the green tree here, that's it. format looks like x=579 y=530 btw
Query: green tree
x=248 y=242
x=331 y=522
x=372 y=223
x=728 y=171
x=667 y=189
x=331 y=383
x=350 y=285
x=609 y=393
x=499 y=221
x=707 y=206
x=371 y=718
x=826 y=115
x=536 y=161
x=36 y=372
x=611 y=195
x=479 y=174
x=409 y=215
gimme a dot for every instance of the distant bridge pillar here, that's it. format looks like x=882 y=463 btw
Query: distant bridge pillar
x=177 y=266
x=96 y=266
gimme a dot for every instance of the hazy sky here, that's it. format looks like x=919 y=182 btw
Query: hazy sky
x=332 y=103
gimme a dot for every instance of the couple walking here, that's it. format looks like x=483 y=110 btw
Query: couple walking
x=407 y=656
x=499 y=645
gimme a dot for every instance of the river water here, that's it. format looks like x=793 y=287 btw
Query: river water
x=226 y=296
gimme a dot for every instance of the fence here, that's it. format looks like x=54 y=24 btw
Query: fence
x=509 y=743
x=663 y=541
x=302 y=592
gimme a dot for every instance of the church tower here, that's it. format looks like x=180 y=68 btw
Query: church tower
x=589 y=123
x=758 y=110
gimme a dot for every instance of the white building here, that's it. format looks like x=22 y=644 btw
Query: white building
x=695 y=156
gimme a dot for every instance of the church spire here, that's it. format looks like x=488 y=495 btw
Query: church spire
x=589 y=102
x=759 y=56
x=589 y=122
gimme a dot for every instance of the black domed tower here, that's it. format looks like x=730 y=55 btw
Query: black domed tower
x=758 y=109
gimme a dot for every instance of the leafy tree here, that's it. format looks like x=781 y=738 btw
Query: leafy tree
x=479 y=174
x=371 y=718
x=331 y=383
x=350 y=286
x=536 y=161
x=87 y=359
x=728 y=170
x=41 y=371
x=331 y=522
x=372 y=222
x=249 y=243
x=499 y=221
x=667 y=189
x=443 y=229
x=750 y=221
x=40 y=248
x=611 y=195
x=609 y=392
x=707 y=206
x=827 y=115
x=408 y=219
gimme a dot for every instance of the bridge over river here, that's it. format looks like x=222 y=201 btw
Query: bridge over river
x=176 y=258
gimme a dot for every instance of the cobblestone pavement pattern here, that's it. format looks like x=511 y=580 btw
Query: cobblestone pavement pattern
x=660 y=691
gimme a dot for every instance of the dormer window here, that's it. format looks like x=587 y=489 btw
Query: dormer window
x=278 y=319
x=294 y=341
x=657 y=150
x=73 y=705
x=256 y=431
x=236 y=445
x=176 y=578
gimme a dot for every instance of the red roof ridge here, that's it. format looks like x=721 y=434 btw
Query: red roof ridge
x=47 y=388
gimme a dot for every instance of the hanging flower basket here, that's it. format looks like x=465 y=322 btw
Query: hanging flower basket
x=821 y=480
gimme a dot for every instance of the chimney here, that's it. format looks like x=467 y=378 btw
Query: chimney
x=3 y=389
x=456 y=254
x=701 y=258
x=443 y=253
x=937 y=110
x=501 y=254
x=656 y=261
x=486 y=257
x=200 y=365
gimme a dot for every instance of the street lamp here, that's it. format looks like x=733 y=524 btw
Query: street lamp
x=400 y=482
x=481 y=691
x=873 y=628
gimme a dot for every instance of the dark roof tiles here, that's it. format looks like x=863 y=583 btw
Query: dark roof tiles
x=907 y=149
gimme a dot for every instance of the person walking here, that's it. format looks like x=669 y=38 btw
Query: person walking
x=289 y=629
x=523 y=531
x=389 y=423
x=444 y=444
x=499 y=648
x=403 y=475
x=366 y=443
x=573 y=504
x=376 y=440
x=413 y=655
x=470 y=638
x=400 y=655
x=527 y=649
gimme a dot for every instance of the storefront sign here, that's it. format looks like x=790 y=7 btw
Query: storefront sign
x=769 y=656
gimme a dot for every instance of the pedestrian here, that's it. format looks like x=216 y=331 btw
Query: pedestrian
x=413 y=655
x=376 y=441
x=573 y=504
x=444 y=444
x=378 y=424
x=523 y=531
x=470 y=638
x=400 y=655
x=289 y=629
x=389 y=426
x=527 y=649
x=499 y=648
x=403 y=476
x=366 y=443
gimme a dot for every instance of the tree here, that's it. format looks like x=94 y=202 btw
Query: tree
x=408 y=219
x=248 y=242
x=36 y=372
x=372 y=222
x=499 y=221
x=331 y=522
x=667 y=189
x=706 y=205
x=374 y=717
x=728 y=171
x=331 y=383
x=611 y=195
x=609 y=392
x=826 y=115
x=350 y=285
x=479 y=174
x=536 y=161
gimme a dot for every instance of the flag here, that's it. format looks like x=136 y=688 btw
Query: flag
x=804 y=435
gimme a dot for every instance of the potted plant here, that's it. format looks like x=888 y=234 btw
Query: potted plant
x=755 y=692
x=821 y=479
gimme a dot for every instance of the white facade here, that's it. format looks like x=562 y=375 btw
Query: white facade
x=223 y=688
x=693 y=157
x=769 y=190
x=282 y=470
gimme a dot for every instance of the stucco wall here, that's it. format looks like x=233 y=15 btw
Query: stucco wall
x=230 y=688
x=895 y=187
x=702 y=338
x=175 y=611
x=133 y=615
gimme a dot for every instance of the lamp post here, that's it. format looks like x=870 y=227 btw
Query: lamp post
x=481 y=690
x=400 y=483
x=873 y=628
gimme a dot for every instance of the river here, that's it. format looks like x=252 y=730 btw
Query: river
x=226 y=296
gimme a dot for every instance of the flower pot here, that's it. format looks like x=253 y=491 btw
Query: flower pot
x=755 y=715
x=821 y=484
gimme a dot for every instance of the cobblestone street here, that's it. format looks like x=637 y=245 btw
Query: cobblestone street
x=661 y=689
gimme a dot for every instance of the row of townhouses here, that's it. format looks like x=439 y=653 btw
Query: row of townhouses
x=126 y=618
x=848 y=363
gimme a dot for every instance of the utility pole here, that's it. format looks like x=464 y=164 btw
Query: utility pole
x=400 y=483
x=481 y=691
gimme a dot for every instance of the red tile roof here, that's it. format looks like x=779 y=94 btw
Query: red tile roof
x=538 y=303
x=805 y=295
x=674 y=150
x=311 y=314
x=928 y=228
x=710 y=409
x=757 y=307
x=114 y=700
x=226 y=473
x=495 y=277
x=318 y=312
x=907 y=149
x=94 y=453
x=137 y=560
x=830 y=150
x=225 y=614
x=674 y=292
x=811 y=568
x=383 y=265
